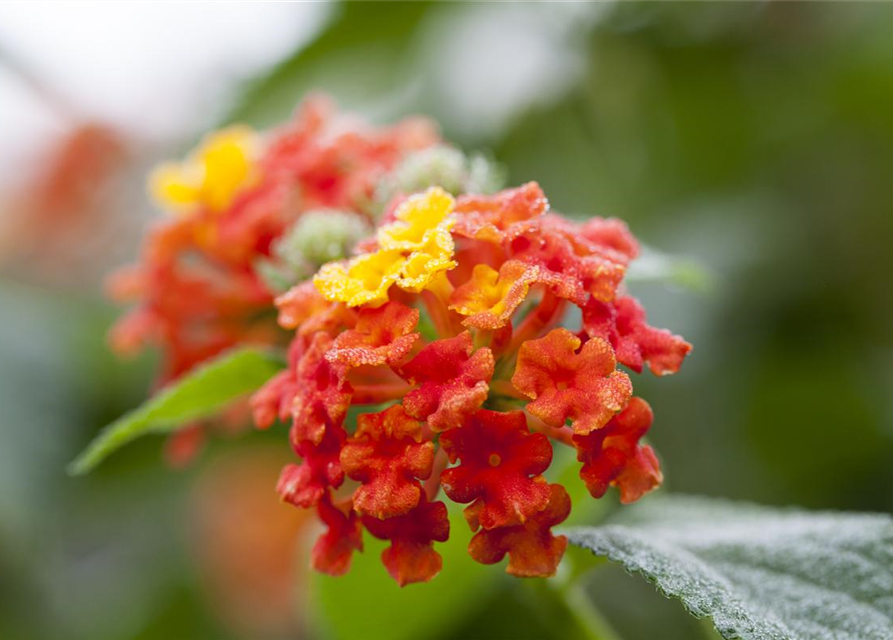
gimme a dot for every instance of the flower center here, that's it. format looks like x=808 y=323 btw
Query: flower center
x=494 y=460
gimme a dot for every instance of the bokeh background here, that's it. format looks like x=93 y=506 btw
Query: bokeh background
x=754 y=138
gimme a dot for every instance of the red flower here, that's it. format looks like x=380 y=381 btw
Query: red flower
x=322 y=396
x=611 y=235
x=304 y=308
x=387 y=455
x=454 y=382
x=305 y=484
x=574 y=267
x=411 y=556
x=333 y=550
x=274 y=399
x=381 y=336
x=487 y=217
x=498 y=457
x=635 y=341
x=612 y=455
x=533 y=551
x=585 y=387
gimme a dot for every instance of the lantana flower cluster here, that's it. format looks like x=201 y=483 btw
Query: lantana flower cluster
x=443 y=336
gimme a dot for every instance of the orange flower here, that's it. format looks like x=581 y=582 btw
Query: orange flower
x=501 y=463
x=452 y=382
x=613 y=455
x=411 y=556
x=585 y=387
x=532 y=549
x=381 y=336
x=387 y=456
x=635 y=342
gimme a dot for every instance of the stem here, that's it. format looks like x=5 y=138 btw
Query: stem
x=378 y=393
x=547 y=313
x=432 y=484
x=586 y=614
x=562 y=434
x=507 y=389
x=566 y=601
x=436 y=299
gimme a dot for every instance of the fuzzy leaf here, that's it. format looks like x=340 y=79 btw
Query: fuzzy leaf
x=761 y=573
x=197 y=395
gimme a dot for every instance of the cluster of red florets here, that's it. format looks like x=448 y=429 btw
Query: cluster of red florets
x=446 y=329
x=197 y=288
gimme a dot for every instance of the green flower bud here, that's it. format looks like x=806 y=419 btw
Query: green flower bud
x=317 y=237
x=442 y=166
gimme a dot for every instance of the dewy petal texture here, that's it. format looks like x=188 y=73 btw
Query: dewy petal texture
x=413 y=250
x=490 y=297
x=303 y=308
x=487 y=217
x=453 y=381
x=388 y=457
x=635 y=342
x=334 y=549
x=613 y=456
x=363 y=280
x=418 y=218
x=322 y=396
x=498 y=456
x=584 y=387
x=532 y=549
x=381 y=336
x=411 y=556
x=305 y=485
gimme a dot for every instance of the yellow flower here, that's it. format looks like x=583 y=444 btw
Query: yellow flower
x=434 y=256
x=414 y=250
x=418 y=218
x=490 y=297
x=363 y=280
x=211 y=176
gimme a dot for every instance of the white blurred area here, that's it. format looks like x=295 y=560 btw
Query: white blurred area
x=156 y=70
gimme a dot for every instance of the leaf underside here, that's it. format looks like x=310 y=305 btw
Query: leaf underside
x=760 y=573
x=199 y=394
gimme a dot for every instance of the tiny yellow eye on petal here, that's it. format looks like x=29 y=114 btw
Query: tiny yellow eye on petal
x=416 y=217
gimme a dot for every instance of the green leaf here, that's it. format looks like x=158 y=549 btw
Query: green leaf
x=655 y=266
x=760 y=573
x=197 y=395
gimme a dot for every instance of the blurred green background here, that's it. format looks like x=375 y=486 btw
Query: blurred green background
x=756 y=138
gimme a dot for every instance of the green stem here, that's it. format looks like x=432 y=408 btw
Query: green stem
x=586 y=614
x=564 y=598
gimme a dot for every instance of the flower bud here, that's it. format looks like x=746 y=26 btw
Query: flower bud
x=446 y=167
x=319 y=236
